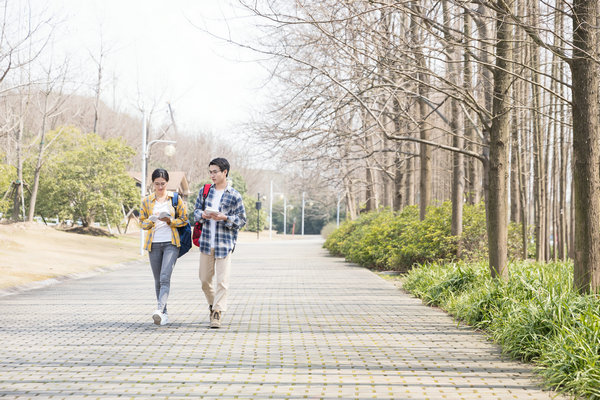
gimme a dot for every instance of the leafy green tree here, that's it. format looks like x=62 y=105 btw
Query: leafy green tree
x=238 y=182
x=252 y=214
x=88 y=181
x=8 y=174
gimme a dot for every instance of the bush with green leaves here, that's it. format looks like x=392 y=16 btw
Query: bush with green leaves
x=398 y=240
x=252 y=214
x=535 y=316
x=423 y=241
x=394 y=240
x=87 y=179
x=328 y=229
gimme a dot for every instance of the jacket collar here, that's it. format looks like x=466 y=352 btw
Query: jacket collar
x=152 y=196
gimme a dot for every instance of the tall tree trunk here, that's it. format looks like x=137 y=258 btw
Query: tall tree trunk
x=562 y=192
x=410 y=176
x=586 y=145
x=522 y=192
x=470 y=164
x=515 y=198
x=38 y=165
x=351 y=209
x=370 y=191
x=562 y=146
x=399 y=170
x=497 y=198
x=422 y=91
x=539 y=172
x=19 y=185
x=458 y=177
x=485 y=82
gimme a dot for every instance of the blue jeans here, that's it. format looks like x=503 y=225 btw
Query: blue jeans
x=162 y=260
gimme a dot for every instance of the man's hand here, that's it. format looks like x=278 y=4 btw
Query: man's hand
x=220 y=217
x=214 y=216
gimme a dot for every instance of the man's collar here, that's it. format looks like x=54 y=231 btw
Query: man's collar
x=227 y=188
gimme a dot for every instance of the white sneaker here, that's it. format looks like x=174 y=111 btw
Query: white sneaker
x=158 y=317
x=215 y=320
x=165 y=319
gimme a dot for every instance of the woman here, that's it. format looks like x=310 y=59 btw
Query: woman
x=161 y=220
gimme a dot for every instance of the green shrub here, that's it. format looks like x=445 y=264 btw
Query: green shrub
x=369 y=242
x=395 y=240
x=424 y=241
x=342 y=235
x=328 y=229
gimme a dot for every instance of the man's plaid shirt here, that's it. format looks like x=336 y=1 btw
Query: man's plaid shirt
x=232 y=206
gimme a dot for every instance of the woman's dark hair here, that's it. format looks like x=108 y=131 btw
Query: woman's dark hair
x=222 y=163
x=160 y=173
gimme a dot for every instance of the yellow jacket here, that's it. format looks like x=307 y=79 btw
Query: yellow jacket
x=147 y=210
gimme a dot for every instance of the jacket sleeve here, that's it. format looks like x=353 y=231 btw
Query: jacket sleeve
x=145 y=223
x=237 y=219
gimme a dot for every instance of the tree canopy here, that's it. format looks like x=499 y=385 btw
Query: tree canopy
x=87 y=180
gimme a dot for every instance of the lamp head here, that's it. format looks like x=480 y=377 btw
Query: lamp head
x=169 y=150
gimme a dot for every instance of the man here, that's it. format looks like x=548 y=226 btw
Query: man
x=222 y=216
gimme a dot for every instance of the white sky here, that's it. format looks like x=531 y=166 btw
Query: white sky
x=155 y=47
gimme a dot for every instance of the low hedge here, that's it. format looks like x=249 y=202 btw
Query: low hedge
x=398 y=240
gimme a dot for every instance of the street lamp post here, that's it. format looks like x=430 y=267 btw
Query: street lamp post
x=145 y=151
x=302 y=213
x=271 y=212
x=285 y=207
x=284 y=216
x=258 y=206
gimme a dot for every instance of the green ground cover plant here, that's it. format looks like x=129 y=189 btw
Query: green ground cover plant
x=535 y=316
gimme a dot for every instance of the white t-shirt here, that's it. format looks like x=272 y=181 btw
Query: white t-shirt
x=162 y=231
x=215 y=203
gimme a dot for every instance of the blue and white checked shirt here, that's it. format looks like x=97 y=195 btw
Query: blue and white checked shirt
x=232 y=206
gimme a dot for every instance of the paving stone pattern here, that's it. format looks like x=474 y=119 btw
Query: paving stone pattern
x=301 y=325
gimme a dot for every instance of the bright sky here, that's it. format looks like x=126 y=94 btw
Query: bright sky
x=156 y=49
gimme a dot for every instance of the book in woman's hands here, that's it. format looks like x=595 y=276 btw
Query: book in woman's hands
x=164 y=214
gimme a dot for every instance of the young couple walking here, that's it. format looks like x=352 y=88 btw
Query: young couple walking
x=221 y=214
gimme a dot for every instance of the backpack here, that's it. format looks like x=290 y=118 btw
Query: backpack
x=198 y=226
x=185 y=232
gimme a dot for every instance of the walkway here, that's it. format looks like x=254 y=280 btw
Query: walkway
x=301 y=325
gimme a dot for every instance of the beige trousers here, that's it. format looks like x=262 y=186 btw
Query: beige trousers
x=209 y=267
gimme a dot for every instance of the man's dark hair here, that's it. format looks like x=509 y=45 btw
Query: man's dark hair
x=160 y=173
x=222 y=163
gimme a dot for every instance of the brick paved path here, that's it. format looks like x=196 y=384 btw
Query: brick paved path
x=300 y=325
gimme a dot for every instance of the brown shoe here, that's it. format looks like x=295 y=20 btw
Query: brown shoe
x=215 y=319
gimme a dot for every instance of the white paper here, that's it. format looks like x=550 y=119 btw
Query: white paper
x=211 y=211
x=164 y=214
